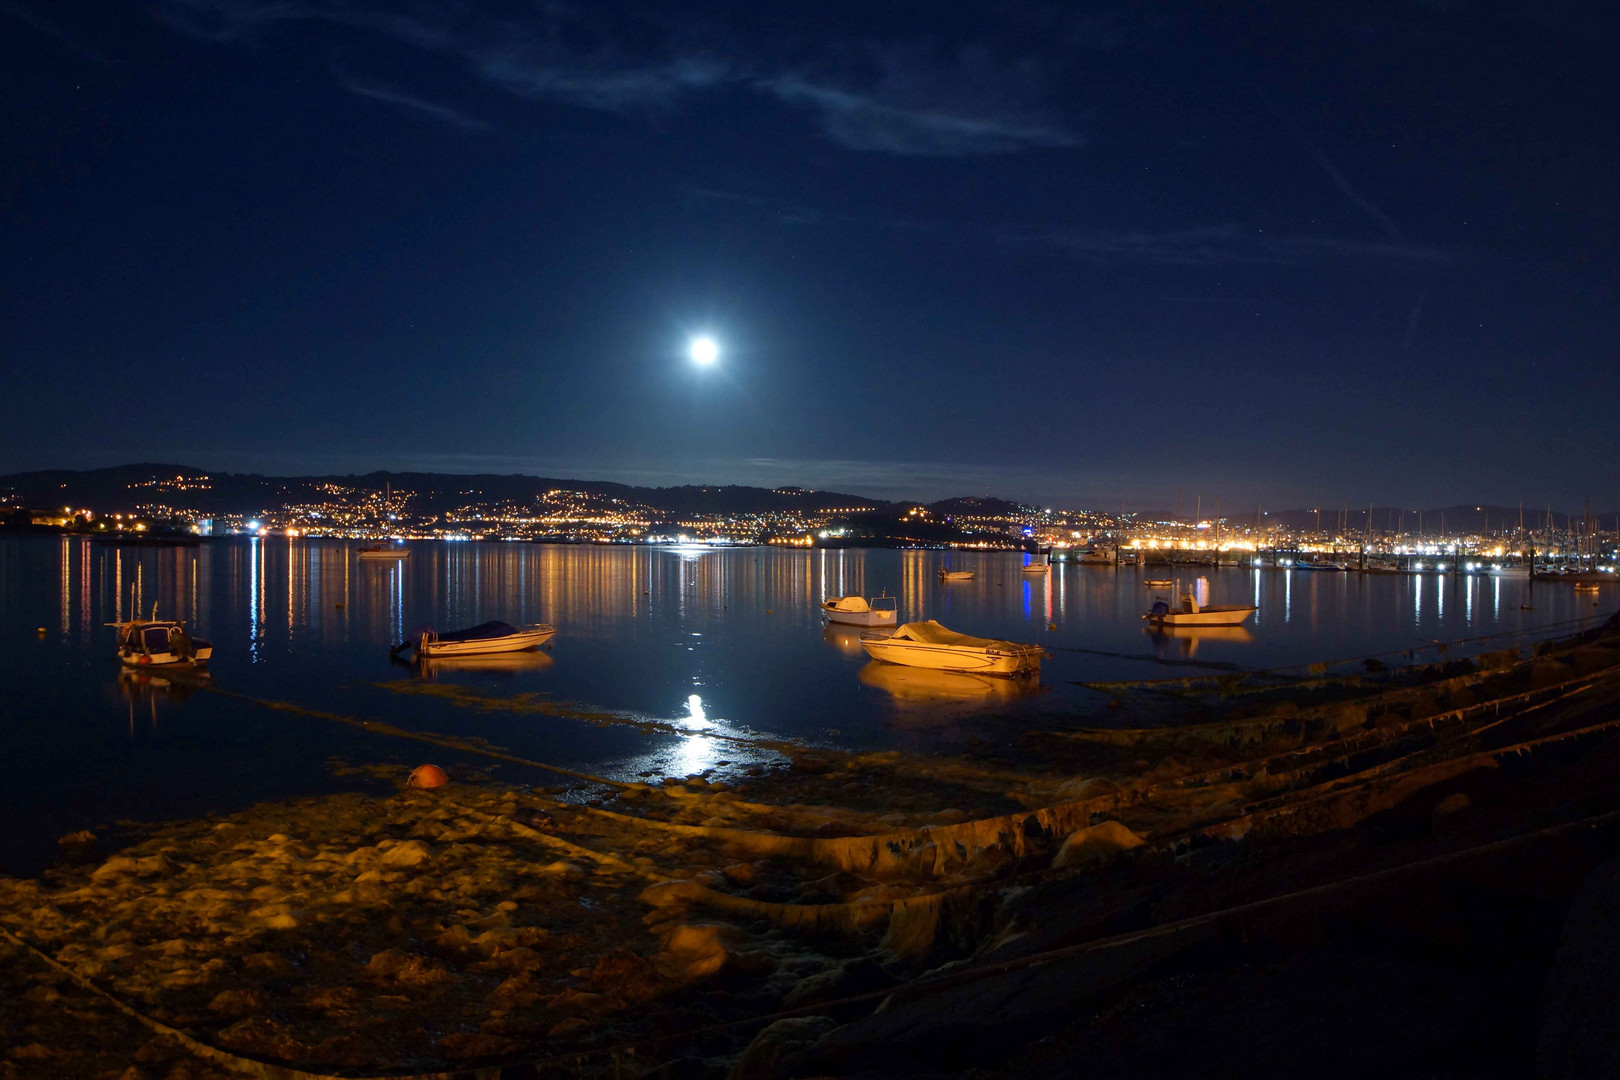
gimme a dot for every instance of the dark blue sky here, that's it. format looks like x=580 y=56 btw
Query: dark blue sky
x=1336 y=253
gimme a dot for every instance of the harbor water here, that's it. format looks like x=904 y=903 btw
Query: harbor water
x=666 y=662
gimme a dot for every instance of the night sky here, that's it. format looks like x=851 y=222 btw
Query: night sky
x=1300 y=253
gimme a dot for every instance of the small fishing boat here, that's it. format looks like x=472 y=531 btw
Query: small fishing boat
x=927 y=644
x=955 y=575
x=384 y=551
x=1191 y=613
x=485 y=638
x=859 y=611
x=158 y=642
x=1157 y=583
x=1586 y=586
x=1096 y=557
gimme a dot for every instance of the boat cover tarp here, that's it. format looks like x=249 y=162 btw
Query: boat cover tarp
x=481 y=632
x=932 y=633
x=848 y=603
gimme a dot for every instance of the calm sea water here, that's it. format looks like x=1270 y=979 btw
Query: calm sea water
x=717 y=642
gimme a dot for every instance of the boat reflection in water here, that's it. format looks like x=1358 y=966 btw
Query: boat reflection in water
x=930 y=688
x=143 y=689
x=507 y=664
x=1188 y=638
x=844 y=638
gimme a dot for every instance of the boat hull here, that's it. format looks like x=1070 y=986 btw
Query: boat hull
x=200 y=655
x=956 y=575
x=921 y=654
x=525 y=639
x=871 y=617
x=386 y=556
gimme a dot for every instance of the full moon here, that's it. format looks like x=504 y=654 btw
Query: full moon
x=704 y=351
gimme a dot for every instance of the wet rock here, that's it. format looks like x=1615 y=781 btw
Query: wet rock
x=743 y=874
x=239 y=1002
x=625 y=974
x=1086 y=788
x=79 y=839
x=775 y=1050
x=1096 y=842
x=468 y=1044
x=1446 y=811
x=406 y=969
x=858 y=976
x=693 y=952
x=1580 y=1028
x=409 y=853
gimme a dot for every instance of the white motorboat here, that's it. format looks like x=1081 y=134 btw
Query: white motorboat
x=1037 y=566
x=955 y=575
x=1096 y=557
x=384 y=551
x=1190 y=613
x=486 y=638
x=158 y=642
x=927 y=644
x=859 y=611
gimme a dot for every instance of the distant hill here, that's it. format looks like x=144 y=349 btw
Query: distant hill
x=974 y=506
x=121 y=488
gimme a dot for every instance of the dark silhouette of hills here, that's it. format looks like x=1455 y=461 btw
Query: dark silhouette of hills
x=118 y=490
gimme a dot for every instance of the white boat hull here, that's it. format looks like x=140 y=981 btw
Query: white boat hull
x=1209 y=616
x=165 y=659
x=531 y=638
x=871 y=617
x=921 y=654
x=956 y=575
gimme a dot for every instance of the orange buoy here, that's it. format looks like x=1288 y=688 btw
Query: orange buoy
x=428 y=776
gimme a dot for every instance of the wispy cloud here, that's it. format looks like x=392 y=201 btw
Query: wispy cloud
x=1227 y=244
x=862 y=121
x=378 y=92
x=916 y=99
x=1213 y=245
x=39 y=24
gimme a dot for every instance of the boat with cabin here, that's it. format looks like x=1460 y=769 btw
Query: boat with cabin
x=859 y=611
x=927 y=644
x=1189 y=612
x=158 y=642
